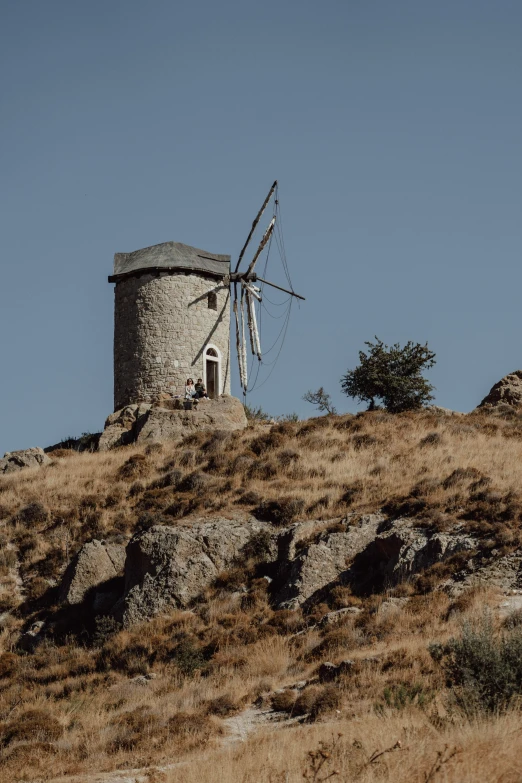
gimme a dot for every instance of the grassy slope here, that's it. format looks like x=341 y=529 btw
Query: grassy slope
x=70 y=707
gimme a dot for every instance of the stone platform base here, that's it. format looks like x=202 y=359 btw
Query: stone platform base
x=145 y=423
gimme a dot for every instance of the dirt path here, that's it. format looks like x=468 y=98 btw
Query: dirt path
x=239 y=728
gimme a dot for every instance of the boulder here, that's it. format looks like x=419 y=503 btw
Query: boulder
x=146 y=423
x=367 y=556
x=507 y=392
x=95 y=563
x=322 y=561
x=169 y=567
x=226 y=413
x=400 y=551
x=120 y=427
x=28 y=458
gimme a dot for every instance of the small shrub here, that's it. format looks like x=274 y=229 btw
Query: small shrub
x=192 y=730
x=364 y=441
x=317 y=700
x=404 y=694
x=460 y=475
x=232 y=579
x=327 y=700
x=287 y=457
x=250 y=498
x=280 y=512
x=283 y=701
x=105 y=627
x=134 y=467
x=133 y=729
x=352 y=492
x=431 y=439
x=136 y=489
x=32 y=514
x=217 y=442
x=170 y=479
x=194 y=482
x=222 y=706
x=188 y=458
x=258 y=546
x=264 y=469
x=187 y=657
x=483 y=670
x=254 y=414
x=32 y=725
x=270 y=442
x=9 y=664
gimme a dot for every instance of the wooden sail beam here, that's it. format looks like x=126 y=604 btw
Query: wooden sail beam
x=262 y=244
x=292 y=293
x=254 y=224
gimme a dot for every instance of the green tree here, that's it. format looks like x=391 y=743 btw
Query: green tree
x=392 y=376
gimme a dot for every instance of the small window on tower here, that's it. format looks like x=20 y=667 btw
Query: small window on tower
x=212 y=301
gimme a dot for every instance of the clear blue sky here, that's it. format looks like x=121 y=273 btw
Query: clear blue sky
x=394 y=129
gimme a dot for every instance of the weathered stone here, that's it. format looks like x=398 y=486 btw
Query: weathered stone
x=332 y=618
x=169 y=567
x=120 y=426
x=94 y=564
x=503 y=572
x=28 y=458
x=225 y=413
x=322 y=561
x=508 y=391
x=362 y=557
x=145 y=423
x=403 y=550
x=162 y=324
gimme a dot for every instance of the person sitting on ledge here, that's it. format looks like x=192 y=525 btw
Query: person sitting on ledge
x=201 y=392
x=190 y=392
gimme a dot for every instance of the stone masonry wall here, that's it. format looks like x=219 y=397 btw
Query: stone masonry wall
x=162 y=325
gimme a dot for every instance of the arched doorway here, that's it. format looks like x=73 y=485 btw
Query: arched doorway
x=212 y=371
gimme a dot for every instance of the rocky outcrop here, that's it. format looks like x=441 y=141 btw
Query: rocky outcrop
x=95 y=564
x=121 y=426
x=507 y=392
x=169 y=567
x=28 y=458
x=401 y=550
x=321 y=561
x=149 y=423
x=366 y=556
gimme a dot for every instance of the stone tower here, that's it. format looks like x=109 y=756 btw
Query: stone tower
x=168 y=324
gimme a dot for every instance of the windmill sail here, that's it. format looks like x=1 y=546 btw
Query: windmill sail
x=255 y=223
x=249 y=294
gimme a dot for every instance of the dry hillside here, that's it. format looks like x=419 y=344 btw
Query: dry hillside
x=203 y=688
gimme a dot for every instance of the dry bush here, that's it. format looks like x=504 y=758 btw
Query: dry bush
x=136 y=466
x=283 y=701
x=31 y=725
x=280 y=512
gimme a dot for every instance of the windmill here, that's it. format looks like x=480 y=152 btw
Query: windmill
x=246 y=294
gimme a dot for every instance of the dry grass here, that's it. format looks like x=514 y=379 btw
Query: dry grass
x=441 y=470
x=84 y=708
x=413 y=750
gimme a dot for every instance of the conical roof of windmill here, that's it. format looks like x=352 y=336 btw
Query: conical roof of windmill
x=170 y=256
